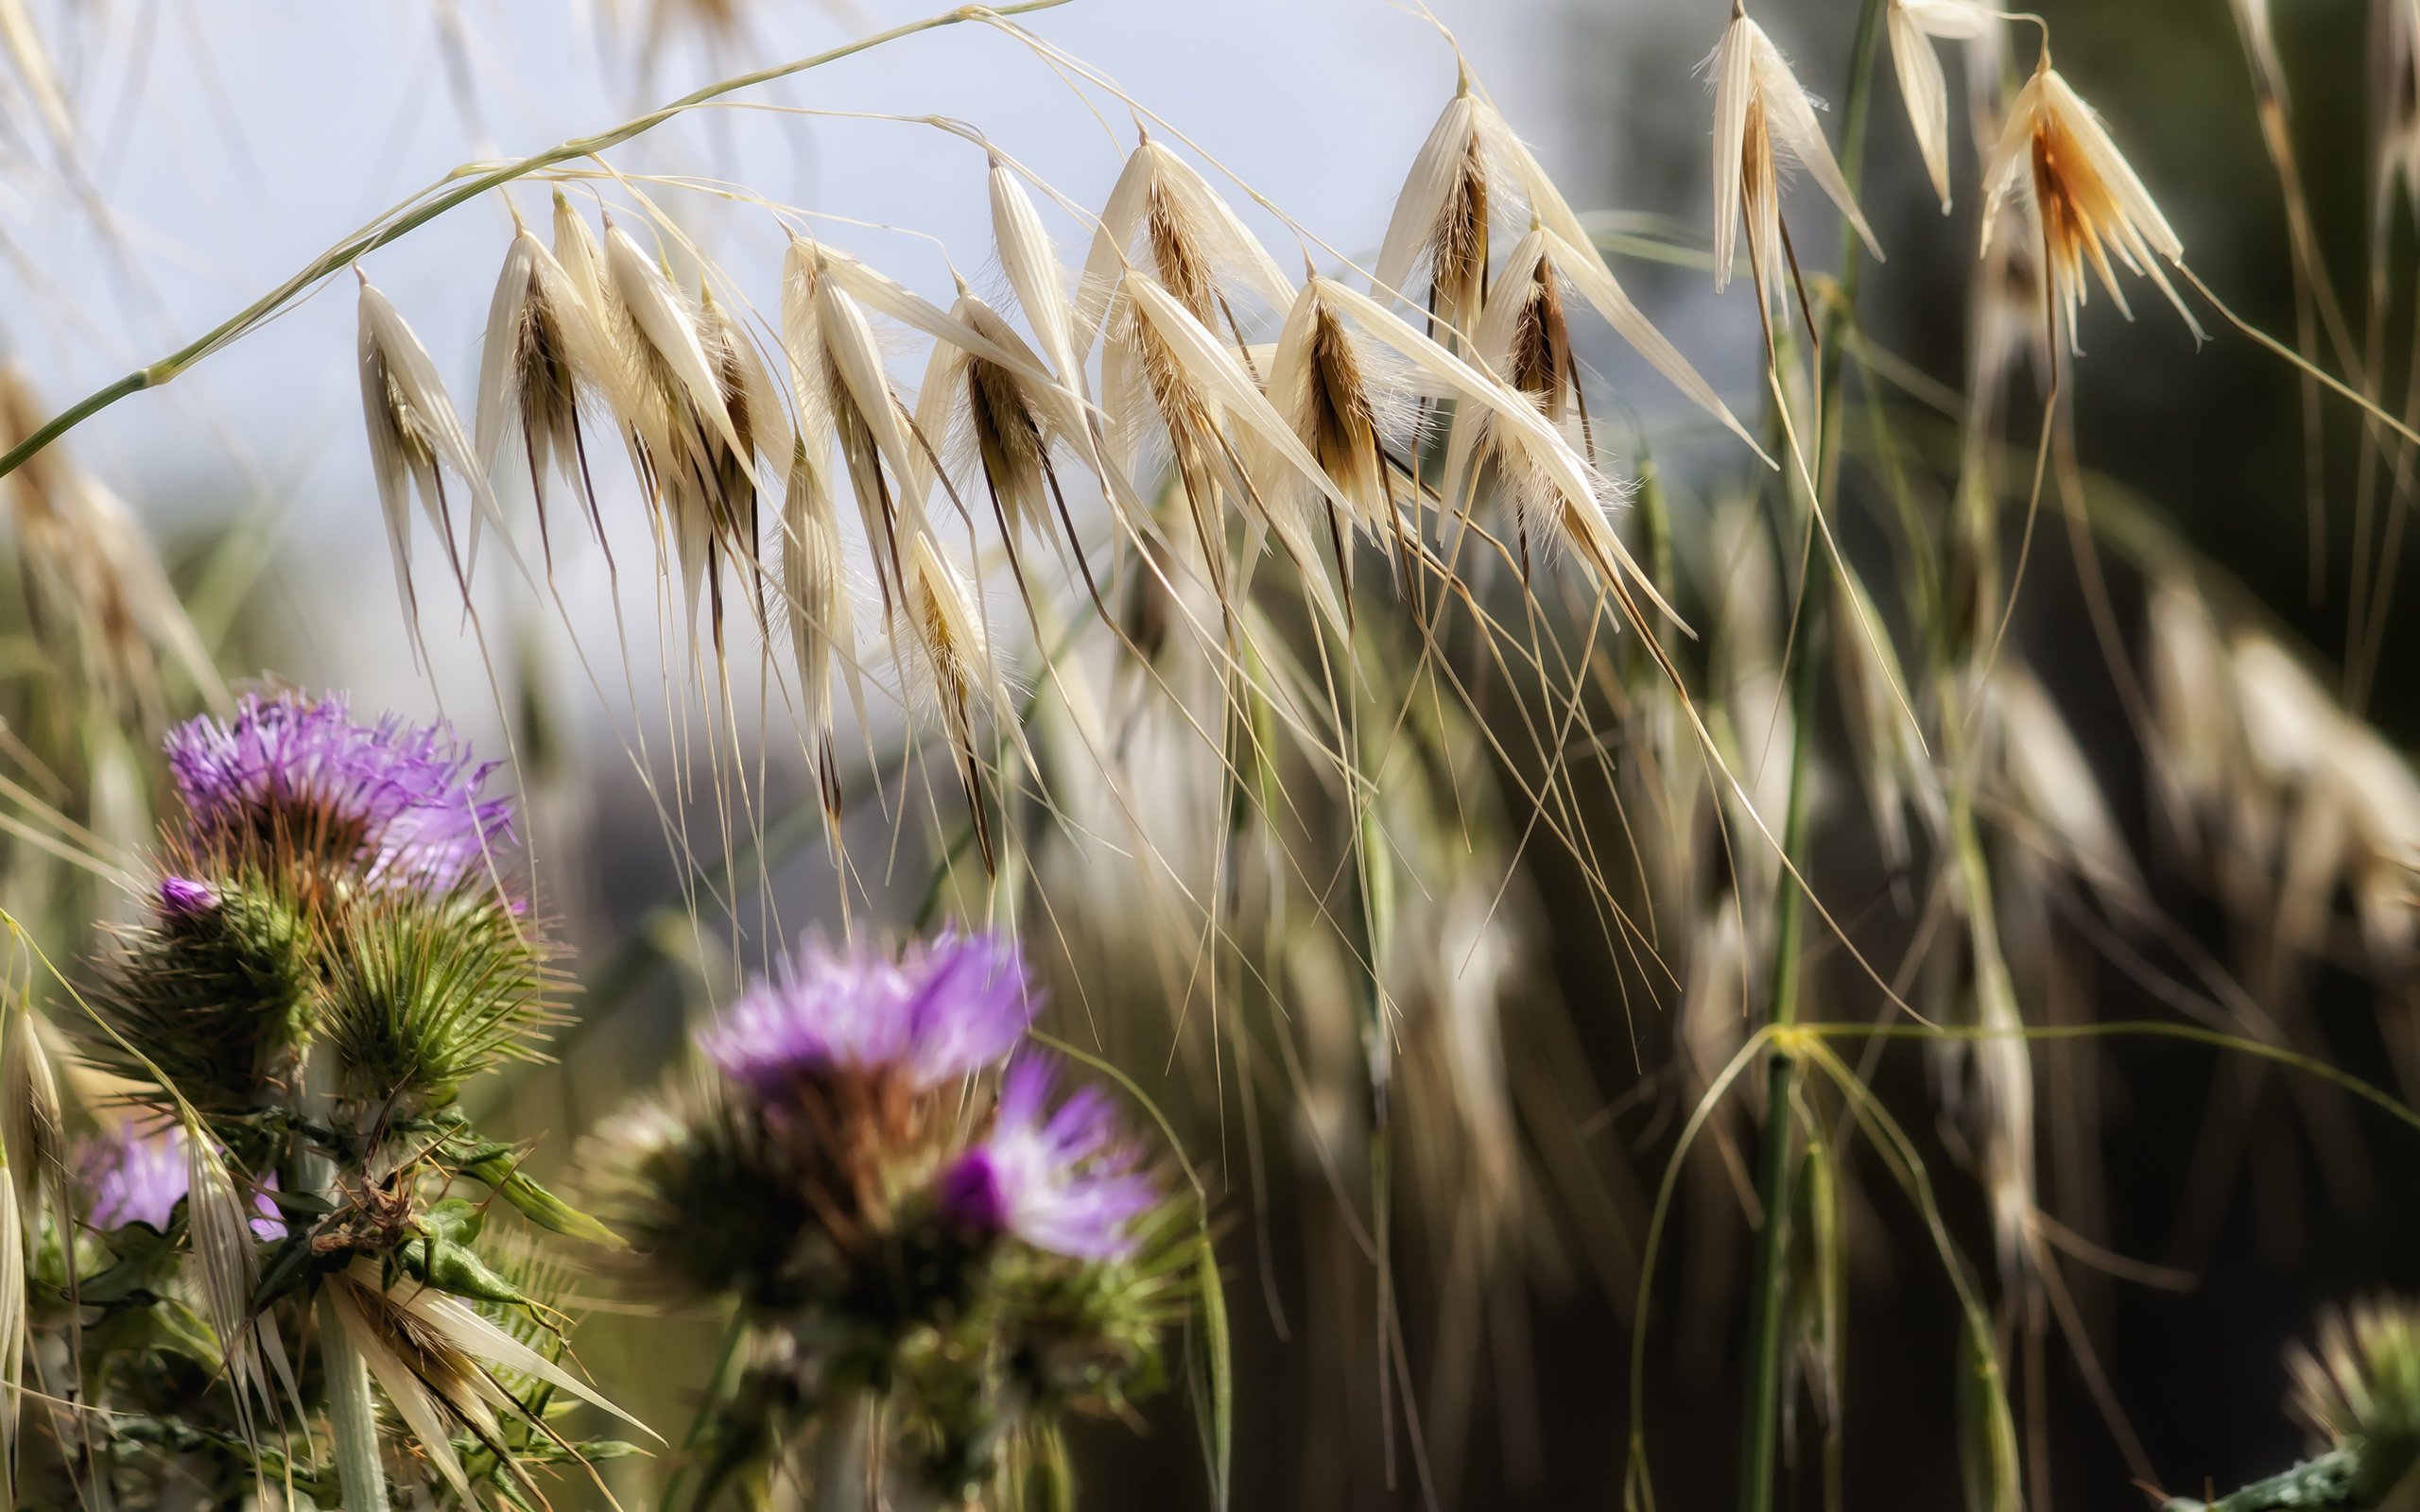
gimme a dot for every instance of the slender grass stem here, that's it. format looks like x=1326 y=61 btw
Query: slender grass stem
x=459 y=187
x=1768 y=1342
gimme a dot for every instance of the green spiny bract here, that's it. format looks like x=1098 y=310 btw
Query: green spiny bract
x=214 y=1000
x=424 y=991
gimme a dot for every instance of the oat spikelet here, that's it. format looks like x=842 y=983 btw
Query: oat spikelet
x=415 y=438
x=844 y=391
x=814 y=594
x=1915 y=25
x=32 y=1124
x=219 y=1225
x=1472 y=170
x=1537 y=461
x=1189 y=239
x=2055 y=155
x=728 y=490
x=1440 y=224
x=2053 y=781
x=1197 y=382
x=1031 y=265
x=1762 y=122
x=541 y=354
x=24 y=46
x=948 y=629
x=13 y=1234
x=1347 y=401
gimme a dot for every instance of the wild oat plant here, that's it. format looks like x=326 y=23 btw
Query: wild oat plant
x=1195 y=747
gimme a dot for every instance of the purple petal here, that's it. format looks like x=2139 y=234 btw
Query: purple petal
x=942 y=1011
x=1066 y=1184
x=183 y=898
x=403 y=798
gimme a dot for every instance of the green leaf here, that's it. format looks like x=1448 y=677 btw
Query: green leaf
x=502 y=1172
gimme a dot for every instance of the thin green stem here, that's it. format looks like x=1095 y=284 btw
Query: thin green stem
x=719 y=1387
x=1768 y=1342
x=464 y=184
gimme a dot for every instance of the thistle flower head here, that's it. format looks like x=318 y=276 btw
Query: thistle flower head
x=1062 y=1180
x=294 y=778
x=2359 y=1383
x=2055 y=153
x=943 y=1009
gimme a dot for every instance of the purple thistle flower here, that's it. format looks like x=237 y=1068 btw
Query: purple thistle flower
x=1065 y=1182
x=400 y=799
x=183 y=898
x=132 y=1176
x=948 y=1006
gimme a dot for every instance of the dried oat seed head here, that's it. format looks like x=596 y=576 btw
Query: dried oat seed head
x=2055 y=155
x=1763 y=121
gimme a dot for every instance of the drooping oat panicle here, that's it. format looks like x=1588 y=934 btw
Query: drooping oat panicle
x=1914 y=26
x=542 y=354
x=1763 y=120
x=1190 y=240
x=2055 y=155
x=415 y=438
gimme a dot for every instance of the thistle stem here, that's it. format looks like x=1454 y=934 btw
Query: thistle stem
x=1768 y=1332
x=353 y=1422
x=464 y=183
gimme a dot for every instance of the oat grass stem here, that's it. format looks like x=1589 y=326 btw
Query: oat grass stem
x=459 y=187
x=1768 y=1342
